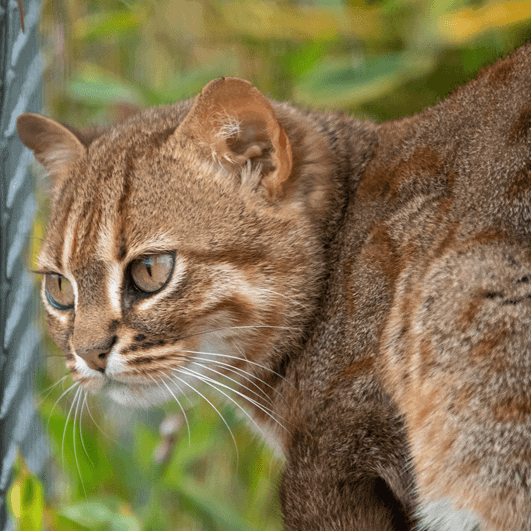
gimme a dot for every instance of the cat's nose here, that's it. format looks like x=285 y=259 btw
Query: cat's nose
x=96 y=356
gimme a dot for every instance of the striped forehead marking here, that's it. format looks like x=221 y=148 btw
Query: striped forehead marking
x=114 y=290
x=105 y=251
x=68 y=241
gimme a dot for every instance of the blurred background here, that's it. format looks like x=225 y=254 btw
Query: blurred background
x=378 y=59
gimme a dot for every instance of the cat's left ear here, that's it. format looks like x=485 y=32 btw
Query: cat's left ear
x=237 y=124
x=54 y=145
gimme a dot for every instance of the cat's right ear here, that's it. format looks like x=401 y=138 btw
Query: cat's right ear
x=53 y=145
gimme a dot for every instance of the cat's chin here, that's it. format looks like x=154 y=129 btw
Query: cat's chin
x=135 y=395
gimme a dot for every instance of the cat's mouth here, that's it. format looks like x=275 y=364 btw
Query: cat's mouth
x=130 y=392
x=126 y=383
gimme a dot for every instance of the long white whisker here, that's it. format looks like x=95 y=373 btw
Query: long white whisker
x=210 y=382
x=229 y=378
x=56 y=402
x=235 y=328
x=268 y=412
x=50 y=389
x=181 y=391
x=98 y=426
x=64 y=431
x=242 y=372
x=215 y=409
x=80 y=430
x=238 y=358
x=176 y=400
x=74 y=440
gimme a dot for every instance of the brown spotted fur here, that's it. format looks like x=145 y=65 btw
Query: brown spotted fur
x=403 y=371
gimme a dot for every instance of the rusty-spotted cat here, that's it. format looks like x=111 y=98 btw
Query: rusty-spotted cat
x=368 y=284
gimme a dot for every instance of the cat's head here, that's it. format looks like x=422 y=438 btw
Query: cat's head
x=183 y=240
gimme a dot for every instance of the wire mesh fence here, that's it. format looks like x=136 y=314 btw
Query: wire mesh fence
x=20 y=91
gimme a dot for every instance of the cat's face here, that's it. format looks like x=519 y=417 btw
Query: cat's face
x=168 y=259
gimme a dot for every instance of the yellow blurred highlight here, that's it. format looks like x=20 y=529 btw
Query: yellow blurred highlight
x=268 y=20
x=25 y=498
x=467 y=24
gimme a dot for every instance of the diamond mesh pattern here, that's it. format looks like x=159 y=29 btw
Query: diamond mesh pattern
x=20 y=85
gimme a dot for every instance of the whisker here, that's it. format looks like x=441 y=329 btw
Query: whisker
x=74 y=440
x=80 y=430
x=98 y=426
x=244 y=359
x=181 y=391
x=267 y=411
x=250 y=378
x=205 y=380
x=231 y=379
x=215 y=409
x=234 y=328
x=64 y=431
x=50 y=389
x=182 y=409
x=56 y=402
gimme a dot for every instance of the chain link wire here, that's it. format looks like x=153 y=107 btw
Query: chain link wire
x=20 y=91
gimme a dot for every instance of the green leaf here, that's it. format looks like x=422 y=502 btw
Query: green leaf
x=304 y=57
x=26 y=501
x=105 y=25
x=100 y=515
x=202 y=501
x=342 y=84
x=62 y=523
x=183 y=86
x=102 y=92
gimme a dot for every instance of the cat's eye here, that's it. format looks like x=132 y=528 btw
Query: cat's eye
x=150 y=273
x=59 y=291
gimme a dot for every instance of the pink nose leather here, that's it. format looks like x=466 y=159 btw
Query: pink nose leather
x=96 y=357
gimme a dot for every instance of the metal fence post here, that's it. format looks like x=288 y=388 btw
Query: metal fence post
x=20 y=90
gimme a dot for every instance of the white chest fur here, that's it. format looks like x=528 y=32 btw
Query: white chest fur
x=441 y=516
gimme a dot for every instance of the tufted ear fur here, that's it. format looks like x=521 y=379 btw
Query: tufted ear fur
x=237 y=124
x=54 y=146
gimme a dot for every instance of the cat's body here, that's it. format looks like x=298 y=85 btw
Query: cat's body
x=374 y=280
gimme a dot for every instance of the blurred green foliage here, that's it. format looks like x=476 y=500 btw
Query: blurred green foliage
x=104 y=60
x=380 y=59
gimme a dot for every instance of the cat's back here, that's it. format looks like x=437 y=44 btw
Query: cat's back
x=441 y=228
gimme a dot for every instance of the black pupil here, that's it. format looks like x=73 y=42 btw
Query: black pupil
x=147 y=263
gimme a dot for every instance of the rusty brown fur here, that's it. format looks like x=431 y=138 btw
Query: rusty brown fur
x=402 y=253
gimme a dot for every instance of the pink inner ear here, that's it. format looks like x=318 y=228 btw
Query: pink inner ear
x=283 y=161
x=237 y=123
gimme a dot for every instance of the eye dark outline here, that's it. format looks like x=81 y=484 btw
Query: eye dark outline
x=51 y=300
x=139 y=291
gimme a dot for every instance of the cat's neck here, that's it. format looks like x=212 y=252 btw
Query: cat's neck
x=348 y=144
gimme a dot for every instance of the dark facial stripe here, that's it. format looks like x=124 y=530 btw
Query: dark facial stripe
x=91 y=215
x=61 y=230
x=122 y=209
x=143 y=360
x=144 y=345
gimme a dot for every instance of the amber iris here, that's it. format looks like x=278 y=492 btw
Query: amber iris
x=150 y=273
x=59 y=291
